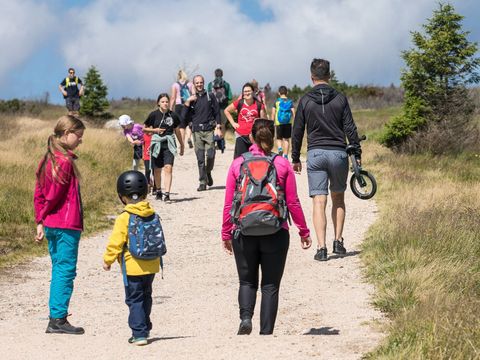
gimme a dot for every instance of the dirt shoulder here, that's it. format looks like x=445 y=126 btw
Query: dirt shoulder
x=324 y=309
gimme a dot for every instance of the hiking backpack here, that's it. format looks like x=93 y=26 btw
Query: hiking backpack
x=220 y=92
x=284 y=113
x=146 y=240
x=184 y=91
x=258 y=207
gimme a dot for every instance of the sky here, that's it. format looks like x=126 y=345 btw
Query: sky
x=138 y=46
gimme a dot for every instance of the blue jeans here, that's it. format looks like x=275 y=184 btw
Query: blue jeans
x=138 y=297
x=63 y=249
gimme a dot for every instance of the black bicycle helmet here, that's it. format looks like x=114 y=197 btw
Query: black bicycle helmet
x=132 y=183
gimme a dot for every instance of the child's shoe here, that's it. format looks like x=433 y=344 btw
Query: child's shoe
x=62 y=326
x=139 y=341
x=166 y=197
x=158 y=195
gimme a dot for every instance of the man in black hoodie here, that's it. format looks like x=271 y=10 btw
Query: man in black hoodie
x=327 y=116
x=203 y=110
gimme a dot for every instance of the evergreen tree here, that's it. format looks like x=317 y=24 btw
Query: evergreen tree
x=94 y=101
x=438 y=70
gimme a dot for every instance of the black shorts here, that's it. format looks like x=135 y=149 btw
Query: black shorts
x=283 y=131
x=165 y=157
x=183 y=122
x=73 y=103
x=137 y=152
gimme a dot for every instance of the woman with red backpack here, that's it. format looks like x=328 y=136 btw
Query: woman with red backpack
x=260 y=193
x=248 y=109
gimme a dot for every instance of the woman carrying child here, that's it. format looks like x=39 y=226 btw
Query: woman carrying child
x=267 y=251
x=162 y=124
x=59 y=216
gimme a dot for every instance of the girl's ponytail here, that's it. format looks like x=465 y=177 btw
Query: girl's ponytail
x=262 y=133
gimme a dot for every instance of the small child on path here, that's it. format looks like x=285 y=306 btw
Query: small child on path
x=59 y=217
x=283 y=113
x=134 y=134
x=132 y=188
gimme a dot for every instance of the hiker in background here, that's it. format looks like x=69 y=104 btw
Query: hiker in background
x=327 y=116
x=134 y=135
x=266 y=251
x=283 y=113
x=182 y=89
x=72 y=89
x=59 y=217
x=163 y=124
x=223 y=93
x=259 y=95
x=138 y=271
x=202 y=108
x=248 y=109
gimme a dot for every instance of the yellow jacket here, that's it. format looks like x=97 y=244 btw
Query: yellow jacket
x=119 y=238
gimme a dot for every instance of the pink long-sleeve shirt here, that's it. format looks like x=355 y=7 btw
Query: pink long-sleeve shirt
x=286 y=179
x=58 y=204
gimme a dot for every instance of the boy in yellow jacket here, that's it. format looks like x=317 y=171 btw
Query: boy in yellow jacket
x=132 y=188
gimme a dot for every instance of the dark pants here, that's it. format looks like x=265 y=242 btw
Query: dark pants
x=204 y=145
x=242 y=144
x=270 y=253
x=138 y=297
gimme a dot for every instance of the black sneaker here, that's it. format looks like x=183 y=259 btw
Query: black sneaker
x=154 y=191
x=202 y=187
x=245 y=327
x=158 y=195
x=338 y=247
x=209 y=179
x=62 y=326
x=166 y=197
x=321 y=254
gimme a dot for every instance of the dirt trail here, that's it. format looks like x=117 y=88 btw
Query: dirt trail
x=324 y=308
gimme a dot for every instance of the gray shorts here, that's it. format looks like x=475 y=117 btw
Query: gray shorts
x=326 y=166
x=73 y=103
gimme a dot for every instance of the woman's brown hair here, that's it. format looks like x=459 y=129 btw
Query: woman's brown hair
x=262 y=133
x=65 y=124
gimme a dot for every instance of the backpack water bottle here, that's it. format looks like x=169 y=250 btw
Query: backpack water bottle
x=258 y=206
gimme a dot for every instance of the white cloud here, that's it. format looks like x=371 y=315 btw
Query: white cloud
x=24 y=25
x=139 y=46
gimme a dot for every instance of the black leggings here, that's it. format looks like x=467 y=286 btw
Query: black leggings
x=269 y=252
x=242 y=144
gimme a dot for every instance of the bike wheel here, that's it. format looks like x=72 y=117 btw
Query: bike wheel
x=365 y=186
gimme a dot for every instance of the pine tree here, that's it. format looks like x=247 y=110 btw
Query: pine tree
x=94 y=101
x=438 y=70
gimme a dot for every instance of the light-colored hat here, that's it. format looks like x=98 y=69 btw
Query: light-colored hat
x=124 y=120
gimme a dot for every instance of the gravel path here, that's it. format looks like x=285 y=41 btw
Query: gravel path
x=324 y=308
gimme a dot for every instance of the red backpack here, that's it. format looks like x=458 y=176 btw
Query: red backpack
x=258 y=206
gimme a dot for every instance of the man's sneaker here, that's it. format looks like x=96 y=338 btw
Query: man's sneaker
x=209 y=179
x=190 y=144
x=202 y=187
x=245 y=327
x=321 y=254
x=166 y=197
x=62 y=326
x=338 y=247
x=158 y=195
x=154 y=191
x=139 y=341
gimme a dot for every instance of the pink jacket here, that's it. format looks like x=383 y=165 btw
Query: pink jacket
x=286 y=179
x=59 y=205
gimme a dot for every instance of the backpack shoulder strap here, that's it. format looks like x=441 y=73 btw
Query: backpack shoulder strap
x=239 y=105
x=259 y=107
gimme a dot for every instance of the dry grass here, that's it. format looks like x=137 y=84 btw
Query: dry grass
x=423 y=254
x=102 y=156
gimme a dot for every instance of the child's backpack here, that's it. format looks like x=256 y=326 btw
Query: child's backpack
x=220 y=92
x=184 y=91
x=146 y=240
x=284 y=113
x=258 y=206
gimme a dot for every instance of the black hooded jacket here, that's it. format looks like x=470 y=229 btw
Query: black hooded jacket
x=328 y=118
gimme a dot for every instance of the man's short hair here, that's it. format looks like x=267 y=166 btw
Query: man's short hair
x=218 y=72
x=71 y=69
x=282 y=90
x=198 y=76
x=320 y=69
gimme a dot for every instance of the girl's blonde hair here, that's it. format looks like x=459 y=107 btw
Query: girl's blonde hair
x=182 y=75
x=65 y=124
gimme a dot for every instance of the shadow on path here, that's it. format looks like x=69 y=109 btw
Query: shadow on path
x=326 y=330
x=151 y=340
x=339 y=256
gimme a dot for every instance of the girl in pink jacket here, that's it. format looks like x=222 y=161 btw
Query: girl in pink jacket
x=59 y=217
x=267 y=251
